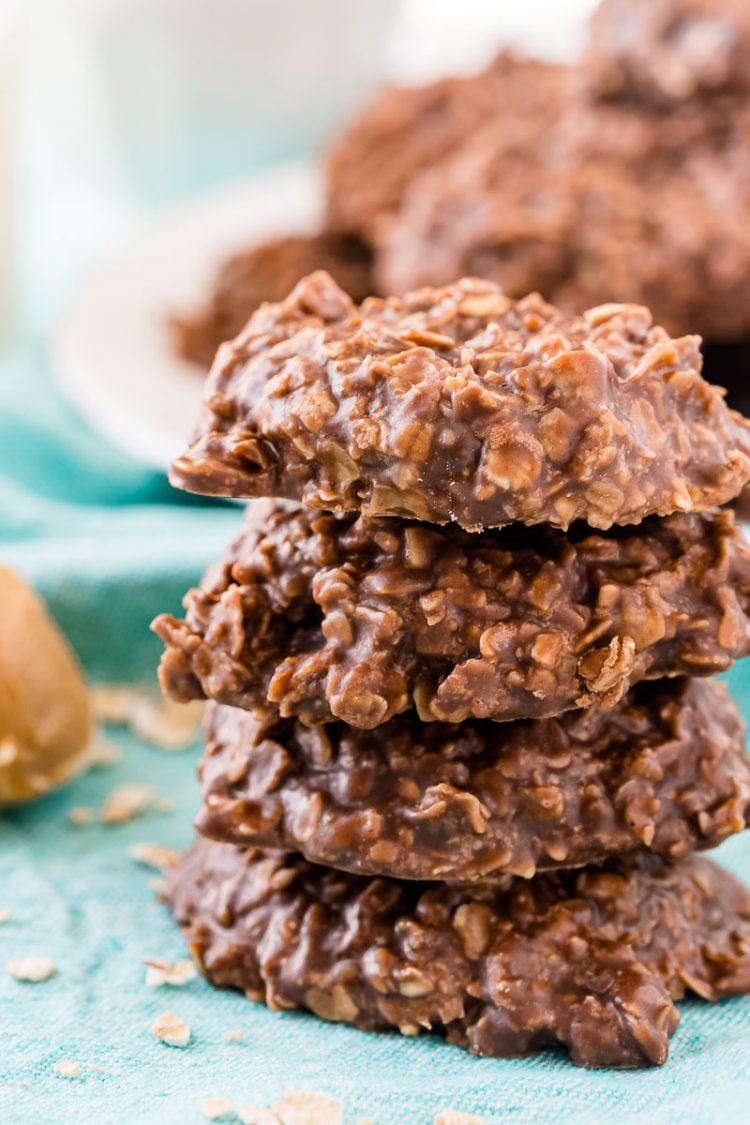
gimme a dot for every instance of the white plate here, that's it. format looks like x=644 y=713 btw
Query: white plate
x=114 y=357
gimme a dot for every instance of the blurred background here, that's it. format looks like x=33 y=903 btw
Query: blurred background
x=111 y=110
x=142 y=141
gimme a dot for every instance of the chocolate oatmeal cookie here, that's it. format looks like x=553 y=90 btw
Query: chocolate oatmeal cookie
x=665 y=52
x=340 y=617
x=460 y=404
x=616 y=203
x=268 y=272
x=665 y=771
x=501 y=206
x=408 y=129
x=593 y=960
x=661 y=214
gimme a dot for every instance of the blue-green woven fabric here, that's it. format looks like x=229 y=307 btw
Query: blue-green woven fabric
x=109 y=547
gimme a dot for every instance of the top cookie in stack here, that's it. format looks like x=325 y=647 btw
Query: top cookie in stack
x=459 y=404
x=405 y=686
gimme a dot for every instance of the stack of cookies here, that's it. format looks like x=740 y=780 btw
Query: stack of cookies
x=462 y=744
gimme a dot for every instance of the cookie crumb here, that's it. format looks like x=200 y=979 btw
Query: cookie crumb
x=67 y=1069
x=125 y=802
x=80 y=815
x=214 y=1108
x=256 y=1115
x=158 y=856
x=169 y=1029
x=307 y=1107
x=103 y=754
x=5 y=915
x=235 y=1035
x=161 y=722
x=31 y=968
x=166 y=724
x=157 y=885
x=159 y=973
x=113 y=703
x=164 y=804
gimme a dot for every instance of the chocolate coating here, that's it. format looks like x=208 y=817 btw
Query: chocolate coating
x=460 y=404
x=665 y=770
x=664 y=52
x=327 y=617
x=267 y=272
x=407 y=129
x=592 y=960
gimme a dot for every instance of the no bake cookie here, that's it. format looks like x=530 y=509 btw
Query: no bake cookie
x=664 y=771
x=614 y=202
x=340 y=617
x=662 y=214
x=267 y=272
x=593 y=960
x=458 y=404
x=499 y=207
x=409 y=128
x=666 y=52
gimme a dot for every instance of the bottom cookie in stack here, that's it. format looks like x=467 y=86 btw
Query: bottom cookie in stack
x=592 y=959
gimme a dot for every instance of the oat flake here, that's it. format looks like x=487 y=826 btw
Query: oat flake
x=158 y=856
x=159 y=973
x=306 y=1107
x=67 y=1069
x=31 y=968
x=169 y=1029
x=125 y=802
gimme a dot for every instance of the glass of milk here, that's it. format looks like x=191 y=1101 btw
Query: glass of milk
x=173 y=95
x=124 y=106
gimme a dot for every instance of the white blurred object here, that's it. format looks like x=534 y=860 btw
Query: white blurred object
x=127 y=105
x=114 y=357
x=174 y=95
x=436 y=37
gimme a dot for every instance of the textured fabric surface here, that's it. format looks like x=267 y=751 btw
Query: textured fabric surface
x=109 y=548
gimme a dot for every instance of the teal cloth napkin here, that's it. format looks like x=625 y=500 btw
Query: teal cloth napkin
x=78 y=515
x=110 y=546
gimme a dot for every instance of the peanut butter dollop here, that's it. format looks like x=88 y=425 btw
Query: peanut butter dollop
x=45 y=715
